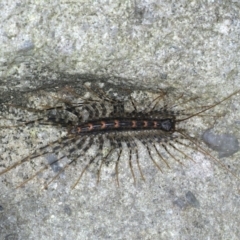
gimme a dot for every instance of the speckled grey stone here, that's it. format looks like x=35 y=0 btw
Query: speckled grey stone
x=191 y=46
x=191 y=199
x=225 y=144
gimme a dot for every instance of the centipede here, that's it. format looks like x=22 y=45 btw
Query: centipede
x=100 y=129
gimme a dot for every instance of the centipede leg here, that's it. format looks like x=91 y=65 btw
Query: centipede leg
x=40 y=152
x=182 y=152
x=116 y=166
x=166 y=149
x=130 y=162
x=101 y=164
x=55 y=149
x=160 y=155
x=138 y=164
x=205 y=152
x=155 y=163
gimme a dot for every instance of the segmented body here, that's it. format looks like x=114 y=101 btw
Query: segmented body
x=124 y=124
x=107 y=123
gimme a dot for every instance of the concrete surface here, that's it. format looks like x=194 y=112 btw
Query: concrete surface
x=186 y=45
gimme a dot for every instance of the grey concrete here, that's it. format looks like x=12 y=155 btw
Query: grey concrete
x=191 y=46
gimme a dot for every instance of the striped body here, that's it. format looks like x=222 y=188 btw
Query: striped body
x=124 y=124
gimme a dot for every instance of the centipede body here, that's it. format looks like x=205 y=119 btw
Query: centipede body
x=96 y=130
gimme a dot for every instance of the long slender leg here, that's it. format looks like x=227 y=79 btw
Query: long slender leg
x=133 y=147
x=160 y=155
x=55 y=149
x=57 y=175
x=181 y=152
x=83 y=171
x=115 y=143
x=42 y=151
x=157 y=99
x=155 y=163
x=65 y=167
x=138 y=164
x=130 y=165
x=116 y=166
x=166 y=149
x=86 y=148
x=133 y=104
x=101 y=164
x=41 y=114
x=202 y=150
x=146 y=144
x=39 y=171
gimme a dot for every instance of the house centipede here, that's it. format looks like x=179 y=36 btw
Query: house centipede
x=96 y=130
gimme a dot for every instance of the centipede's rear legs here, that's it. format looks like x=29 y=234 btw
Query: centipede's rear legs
x=63 y=146
x=40 y=171
x=69 y=154
x=40 y=152
x=44 y=116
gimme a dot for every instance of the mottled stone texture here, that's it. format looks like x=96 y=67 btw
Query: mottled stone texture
x=188 y=45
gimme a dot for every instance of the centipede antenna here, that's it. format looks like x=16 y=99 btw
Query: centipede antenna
x=183 y=103
x=209 y=107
